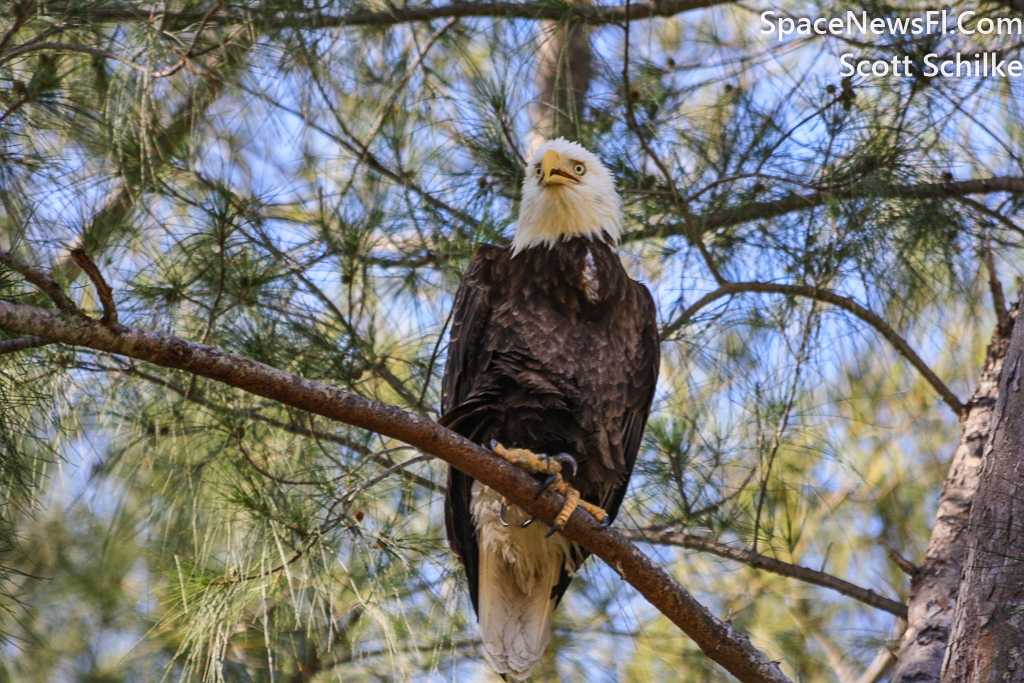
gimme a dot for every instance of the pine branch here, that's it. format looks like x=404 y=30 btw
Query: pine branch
x=275 y=20
x=719 y=640
x=106 y=225
x=290 y=427
x=755 y=211
x=759 y=561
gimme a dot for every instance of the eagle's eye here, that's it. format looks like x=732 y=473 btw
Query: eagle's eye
x=539 y=170
x=579 y=169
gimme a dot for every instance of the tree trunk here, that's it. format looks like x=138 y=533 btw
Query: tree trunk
x=934 y=587
x=563 y=77
x=987 y=638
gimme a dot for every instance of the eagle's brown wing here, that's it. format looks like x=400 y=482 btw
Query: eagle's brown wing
x=466 y=360
x=639 y=392
x=639 y=396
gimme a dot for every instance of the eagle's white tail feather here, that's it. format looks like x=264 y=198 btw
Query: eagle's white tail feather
x=518 y=568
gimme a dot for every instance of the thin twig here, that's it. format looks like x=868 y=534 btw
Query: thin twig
x=905 y=565
x=980 y=207
x=373 y=481
x=759 y=561
x=996 y=287
x=433 y=355
x=782 y=423
x=398 y=88
x=95 y=52
x=280 y=480
x=844 y=302
x=106 y=294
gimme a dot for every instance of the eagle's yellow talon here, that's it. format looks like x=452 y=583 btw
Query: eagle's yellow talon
x=572 y=500
x=532 y=463
x=527 y=460
x=599 y=514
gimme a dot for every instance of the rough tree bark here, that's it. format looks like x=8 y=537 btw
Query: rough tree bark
x=936 y=583
x=987 y=639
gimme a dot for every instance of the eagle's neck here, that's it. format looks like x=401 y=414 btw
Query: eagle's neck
x=561 y=214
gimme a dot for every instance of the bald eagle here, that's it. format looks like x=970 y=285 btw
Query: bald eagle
x=552 y=362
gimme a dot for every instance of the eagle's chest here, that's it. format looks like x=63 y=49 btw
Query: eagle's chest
x=574 y=279
x=565 y=301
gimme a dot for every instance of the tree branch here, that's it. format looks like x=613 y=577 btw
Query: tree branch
x=104 y=291
x=397 y=15
x=754 y=211
x=759 y=561
x=719 y=640
x=290 y=427
x=844 y=302
x=23 y=343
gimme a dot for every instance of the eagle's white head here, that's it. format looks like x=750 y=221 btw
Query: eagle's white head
x=567 y=193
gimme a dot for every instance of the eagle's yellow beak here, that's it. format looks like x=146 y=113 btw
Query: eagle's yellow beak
x=556 y=169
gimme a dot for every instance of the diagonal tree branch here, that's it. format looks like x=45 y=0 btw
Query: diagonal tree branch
x=844 y=302
x=759 y=561
x=718 y=639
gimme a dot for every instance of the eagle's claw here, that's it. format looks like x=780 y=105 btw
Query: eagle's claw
x=552 y=530
x=550 y=482
x=501 y=511
x=564 y=459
